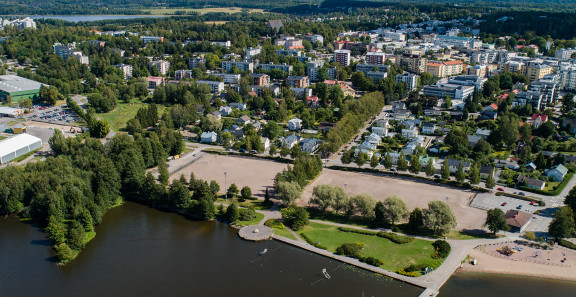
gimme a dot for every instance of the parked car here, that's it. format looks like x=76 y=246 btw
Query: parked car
x=522 y=194
x=500 y=189
x=437 y=176
x=504 y=204
x=533 y=203
x=519 y=206
x=392 y=170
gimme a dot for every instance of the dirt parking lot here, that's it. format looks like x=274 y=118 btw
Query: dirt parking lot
x=255 y=173
x=415 y=194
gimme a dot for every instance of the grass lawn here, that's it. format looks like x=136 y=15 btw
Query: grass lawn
x=171 y=11
x=284 y=233
x=460 y=235
x=124 y=112
x=254 y=221
x=550 y=186
x=395 y=256
x=501 y=154
x=2 y=137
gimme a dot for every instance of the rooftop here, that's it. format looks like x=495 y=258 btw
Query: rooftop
x=14 y=83
x=15 y=143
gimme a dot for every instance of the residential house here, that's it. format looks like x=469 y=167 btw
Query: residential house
x=530 y=167
x=538 y=119
x=483 y=133
x=428 y=128
x=294 y=124
x=237 y=105
x=208 y=137
x=216 y=114
x=290 y=141
x=365 y=148
x=374 y=138
x=265 y=143
x=486 y=171
x=225 y=110
x=473 y=140
x=531 y=182
x=244 y=120
x=380 y=131
x=409 y=133
x=425 y=159
x=394 y=157
x=309 y=145
x=491 y=107
x=453 y=164
x=557 y=172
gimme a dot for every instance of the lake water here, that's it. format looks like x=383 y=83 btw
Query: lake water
x=140 y=251
x=96 y=17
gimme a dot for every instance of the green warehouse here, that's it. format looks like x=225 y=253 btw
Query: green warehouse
x=18 y=87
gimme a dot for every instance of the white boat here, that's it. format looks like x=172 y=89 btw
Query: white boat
x=263 y=252
x=326 y=273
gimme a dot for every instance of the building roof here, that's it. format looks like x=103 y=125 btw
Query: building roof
x=456 y=163
x=531 y=181
x=456 y=62
x=516 y=218
x=10 y=111
x=487 y=169
x=15 y=83
x=15 y=143
x=560 y=168
x=543 y=117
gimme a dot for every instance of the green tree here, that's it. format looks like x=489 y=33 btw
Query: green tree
x=163 y=174
x=374 y=161
x=232 y=213
x=445 y=170
x=402 y=164
x=430 y=169
x=325 y=196
x=415 y=166
x=214 y=187
x=562 y=226
x=347 y=156
x=490 y=182
x=363 y=204
x=295 y=217
x=568 y=103
x=98 y=129
x=458 y=142
x=232 y=191
x=495 y=221
x=474 y=176
x=416 y=220
x=272 y=150
x=393 y=210
x=360 y=159
x=288 y=192
x=387 y=161
x=284 y=151
x=246 y=193
x=460 y=175
x=439 y=217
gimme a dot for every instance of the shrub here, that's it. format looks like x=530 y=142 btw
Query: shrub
x=246 y=214
x=441 y=249
x=273 y=223
x=312 y=242
x=529 y=235
x=416 y=267
x=372 y=261
x=350 y=249
x=411 y=274
x=295 y=217
x=567 y=244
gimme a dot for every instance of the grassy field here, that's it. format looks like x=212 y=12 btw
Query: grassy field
x=255 y=221
x=395 y=256
x=172 y=11
x=2 y=137
x=124 y=112
x=551 y=185
x=284 y=233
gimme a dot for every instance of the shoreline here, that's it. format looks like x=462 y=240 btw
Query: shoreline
x=488 y=264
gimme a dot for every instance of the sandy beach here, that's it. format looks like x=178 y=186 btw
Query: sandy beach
x=487 y=263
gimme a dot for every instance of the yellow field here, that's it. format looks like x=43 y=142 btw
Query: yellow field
x=171 y=11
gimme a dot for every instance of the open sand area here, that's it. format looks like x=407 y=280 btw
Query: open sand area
x=414 y=193
x=254 y=173
x=529 y=262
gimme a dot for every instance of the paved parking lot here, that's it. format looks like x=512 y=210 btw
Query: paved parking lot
x=539 y=223
x=55 y=115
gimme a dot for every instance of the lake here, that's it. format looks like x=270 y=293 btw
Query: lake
x=140 y=251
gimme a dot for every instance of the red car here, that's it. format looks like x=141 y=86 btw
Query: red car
x=504 y=204
x=500 y=189
x=533 y=203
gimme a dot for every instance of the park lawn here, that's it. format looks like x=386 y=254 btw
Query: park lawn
x=395 y=256
x=254 y=221
x=2 y=137
x=124 y=112
x=284 y=233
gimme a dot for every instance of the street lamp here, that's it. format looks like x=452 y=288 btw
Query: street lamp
x=225 y=189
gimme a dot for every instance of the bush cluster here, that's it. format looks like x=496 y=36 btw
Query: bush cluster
x=441 y=249
x=312 y=242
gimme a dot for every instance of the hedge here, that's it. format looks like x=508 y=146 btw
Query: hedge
x=567 y=244
x=556 y=192
x=312 y=242
x=399 y=239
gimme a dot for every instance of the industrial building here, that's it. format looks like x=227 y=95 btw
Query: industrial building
x=17 y=146
x=17 y=87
